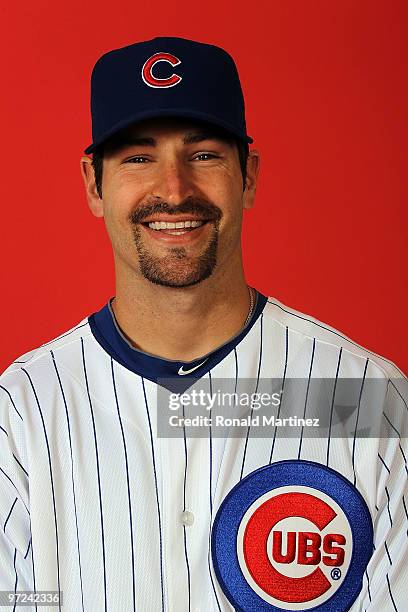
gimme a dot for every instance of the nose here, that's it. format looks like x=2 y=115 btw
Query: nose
x=173 y=182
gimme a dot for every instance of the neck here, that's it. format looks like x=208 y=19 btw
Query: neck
x=181 y=323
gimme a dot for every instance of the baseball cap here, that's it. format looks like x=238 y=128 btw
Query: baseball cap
x=165 y=77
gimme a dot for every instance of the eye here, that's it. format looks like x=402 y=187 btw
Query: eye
x=205 y=156
x=138 y=159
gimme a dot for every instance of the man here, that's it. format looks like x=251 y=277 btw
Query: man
x=107 y=495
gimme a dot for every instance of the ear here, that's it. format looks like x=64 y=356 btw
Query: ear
x=95 y=203
x=252 y=172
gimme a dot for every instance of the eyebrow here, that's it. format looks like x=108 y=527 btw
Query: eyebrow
x=194 y=137
x=190 y=138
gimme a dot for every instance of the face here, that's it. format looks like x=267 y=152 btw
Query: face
x=172 y=200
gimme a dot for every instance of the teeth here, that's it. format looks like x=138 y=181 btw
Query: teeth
x=160 y=225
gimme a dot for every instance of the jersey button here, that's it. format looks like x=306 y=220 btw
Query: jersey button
x=187 y=518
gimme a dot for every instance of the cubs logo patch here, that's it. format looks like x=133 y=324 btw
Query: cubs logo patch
x=153 y=81
x=294 y=535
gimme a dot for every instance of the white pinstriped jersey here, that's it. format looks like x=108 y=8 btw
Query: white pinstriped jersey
x=94 y=504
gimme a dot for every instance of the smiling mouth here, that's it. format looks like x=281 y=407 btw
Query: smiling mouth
x=175 y=228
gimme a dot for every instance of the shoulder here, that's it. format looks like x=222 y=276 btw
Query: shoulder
x=308 y=327
x=41 y=357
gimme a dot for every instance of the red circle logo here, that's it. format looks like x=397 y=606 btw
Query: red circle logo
x=294 y=547
x=147 y=70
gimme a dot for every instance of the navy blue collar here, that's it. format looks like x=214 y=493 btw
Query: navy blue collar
x=108 y=334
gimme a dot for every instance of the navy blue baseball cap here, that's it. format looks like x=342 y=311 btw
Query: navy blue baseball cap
x=165 y=77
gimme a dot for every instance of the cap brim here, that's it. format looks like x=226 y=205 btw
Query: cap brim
x=166 y=112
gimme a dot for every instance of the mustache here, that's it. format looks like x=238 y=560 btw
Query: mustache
x=198 y=206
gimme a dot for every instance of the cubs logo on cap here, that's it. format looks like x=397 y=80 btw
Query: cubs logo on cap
x=294 y=535
x=154 y=81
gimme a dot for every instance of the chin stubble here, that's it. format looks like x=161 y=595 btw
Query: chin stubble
x=177 y=269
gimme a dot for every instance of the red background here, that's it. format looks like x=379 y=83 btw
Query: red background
x=327 y=98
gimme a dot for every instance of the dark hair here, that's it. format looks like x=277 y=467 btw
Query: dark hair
x=97 y=162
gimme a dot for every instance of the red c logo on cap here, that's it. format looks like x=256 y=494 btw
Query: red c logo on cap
x=147 y=70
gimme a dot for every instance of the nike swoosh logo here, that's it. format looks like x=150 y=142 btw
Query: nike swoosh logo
x=183 y=372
